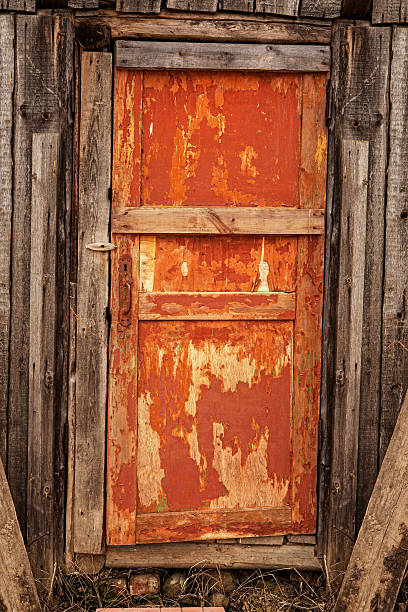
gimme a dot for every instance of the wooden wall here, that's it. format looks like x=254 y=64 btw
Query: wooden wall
x=365 y=347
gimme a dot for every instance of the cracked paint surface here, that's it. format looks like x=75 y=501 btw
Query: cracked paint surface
x=212 y=425
x=214 y=414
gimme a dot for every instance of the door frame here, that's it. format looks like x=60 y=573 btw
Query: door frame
x=86 y=503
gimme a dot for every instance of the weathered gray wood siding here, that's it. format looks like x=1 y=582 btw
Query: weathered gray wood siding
x=36 y=139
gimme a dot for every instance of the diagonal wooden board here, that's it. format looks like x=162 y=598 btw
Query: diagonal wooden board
x=17 y=587
x=380 y=555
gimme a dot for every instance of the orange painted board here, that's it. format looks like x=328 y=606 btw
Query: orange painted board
x=209 y=525
x=308 y=324
x=122 y=404
x=217 y=306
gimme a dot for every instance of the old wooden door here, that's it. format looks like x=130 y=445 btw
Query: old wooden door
x=216 y=300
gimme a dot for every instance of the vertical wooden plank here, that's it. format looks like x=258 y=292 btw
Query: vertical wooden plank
x=122 y=412
x=379 y=559
x=309 y=302
x=45 y=155
x=43 y=104
x=71 y=422
x=359 y=55
x=6 y=177
x=348 y=350
x=390 y=11
x=17 y=586
x=328 y=9
x=138 y=6
x=278 y=7
x=395 y=314
x=204 y=6
x=92 y=302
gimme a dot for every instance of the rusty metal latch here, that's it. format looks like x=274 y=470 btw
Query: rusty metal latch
x=125 y=290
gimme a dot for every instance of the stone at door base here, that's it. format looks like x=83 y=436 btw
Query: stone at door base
x=144 y=584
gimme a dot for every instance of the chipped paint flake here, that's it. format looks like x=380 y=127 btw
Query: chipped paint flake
x=149 y=470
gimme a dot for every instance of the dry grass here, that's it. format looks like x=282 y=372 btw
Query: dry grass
x=255 y=592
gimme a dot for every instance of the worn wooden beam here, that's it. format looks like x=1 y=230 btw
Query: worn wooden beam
x=43 y=296
x=326 y=9
x=395 y=313
x=380 y=557
x=205 y=28
x=83 y=4
x=278 y=7
x=217 y=220
x=203 y=56
x=92 y=301
x=357 y=112
x=390 y=11
x=138 y=6
x=6 y=182
x=22 y=6
x=246 y=6
x=235 y=556
x=17 y=586
x=205 y=6
x=248 y=306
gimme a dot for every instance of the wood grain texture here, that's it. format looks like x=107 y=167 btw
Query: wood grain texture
x=93 y=282
x=43 y=88
x=309 y=304
x=360 y=55
x=278 y=7
x=245 y=6
x=122 y=407
x=138 y=6
x=22 y=6
x=207 y=525
x=390 y=11
x=17 y=587
x=216 y=306
x=201 y=56
x=6 y=198
x=379 y=559
x=395 y=331
x=210 y=28
x=326 y=9
x=217 y=220
x=188 y=554
x=349 y=351
x=83 y=4
x=205 y=6
x=40 y=495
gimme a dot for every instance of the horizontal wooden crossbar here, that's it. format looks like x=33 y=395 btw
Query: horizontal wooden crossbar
x=242 y=306
x=216 y=220
x=210 y=524
x=221 y=56
x=205 y=554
